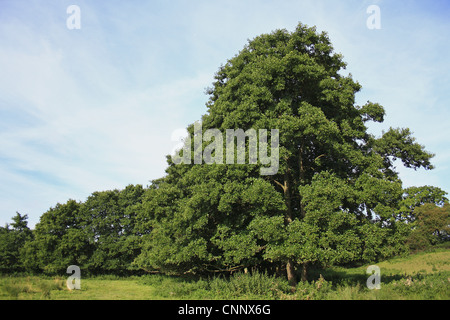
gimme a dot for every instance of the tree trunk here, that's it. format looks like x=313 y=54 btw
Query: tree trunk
x=287 y=198
x=302 y=179
x=304 y=272
x=290 y=270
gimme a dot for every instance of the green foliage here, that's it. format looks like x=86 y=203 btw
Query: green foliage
x=247 y=286
x=13 y=238
x=335 y=194
x=59 y=241
x=108 y=220
x=239 y=285
x=414 y=197
x=430 y=227
x=399 y=144
x=199 y=222
x=97 y=235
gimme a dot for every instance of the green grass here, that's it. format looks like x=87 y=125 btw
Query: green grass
x=422 y=276
x=32 y=288
x=36 y=288
x=424 y=262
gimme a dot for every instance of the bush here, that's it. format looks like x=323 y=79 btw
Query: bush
x=254 y=285
x=314 y=290
x=248 y=286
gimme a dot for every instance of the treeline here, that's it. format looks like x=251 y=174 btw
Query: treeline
x=100 y=235
x=110 y=233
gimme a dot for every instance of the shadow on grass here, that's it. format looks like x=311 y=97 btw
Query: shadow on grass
x=344 y=278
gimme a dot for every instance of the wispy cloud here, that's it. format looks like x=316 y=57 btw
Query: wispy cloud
x=94 y=109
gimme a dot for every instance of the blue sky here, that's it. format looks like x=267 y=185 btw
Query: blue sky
x=94 y=108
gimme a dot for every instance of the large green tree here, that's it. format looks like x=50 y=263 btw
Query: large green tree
x=13 y=237
x=335 y=195
x=59 y=241
x=108 y=219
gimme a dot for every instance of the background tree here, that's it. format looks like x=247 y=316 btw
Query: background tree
x=414 y=197
x=108 y=220
x=431 y=225
x=59 y=240
x=98 y=235
x=12 y=239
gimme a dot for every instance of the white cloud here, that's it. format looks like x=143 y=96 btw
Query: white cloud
x=88 y=130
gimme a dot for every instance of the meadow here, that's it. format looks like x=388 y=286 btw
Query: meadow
x=421 y=276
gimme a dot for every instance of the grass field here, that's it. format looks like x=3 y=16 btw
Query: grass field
x=423 y=276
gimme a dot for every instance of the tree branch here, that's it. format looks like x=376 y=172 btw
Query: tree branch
x=282 y=186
